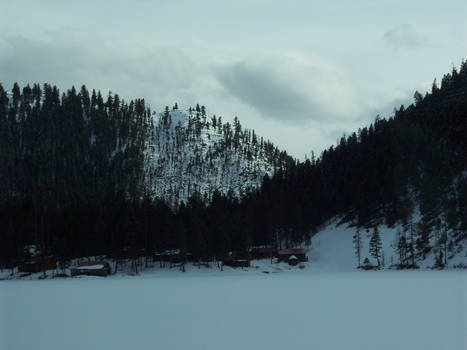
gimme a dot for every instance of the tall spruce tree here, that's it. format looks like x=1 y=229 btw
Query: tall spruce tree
x=375 y=245
x=357 y=241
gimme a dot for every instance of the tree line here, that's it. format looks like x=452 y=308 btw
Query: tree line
x=73 y=180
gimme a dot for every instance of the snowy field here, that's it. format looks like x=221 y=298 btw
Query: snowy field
x=238 y=310
x=327 y=305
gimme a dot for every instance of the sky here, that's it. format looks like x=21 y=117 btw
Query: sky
x=301 y=73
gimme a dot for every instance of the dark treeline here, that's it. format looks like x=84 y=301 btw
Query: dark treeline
x=57 y=150
x=60 y=158
x=72 y=173
x=408 y=169
x=72 y=183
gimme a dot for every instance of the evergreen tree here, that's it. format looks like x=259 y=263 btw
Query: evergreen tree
x=375 y=245
x=401 y=248
x=357 y=241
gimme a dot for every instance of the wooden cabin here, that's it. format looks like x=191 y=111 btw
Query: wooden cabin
x=286 y=254
x=240 y=259
x=263 y=252
x=92 y=268
x=236 y=262
x=48 y=263
x=29 y=266
x=174 y=256
x=38 y=264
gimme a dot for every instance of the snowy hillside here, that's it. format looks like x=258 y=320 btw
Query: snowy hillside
x=333 y=249
x=189 y=152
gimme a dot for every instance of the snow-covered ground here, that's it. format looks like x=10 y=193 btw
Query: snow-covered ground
x=323 y=304
x=208 y=309
x=332 y=249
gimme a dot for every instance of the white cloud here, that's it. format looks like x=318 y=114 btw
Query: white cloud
x=162 y=74
x=291 y=87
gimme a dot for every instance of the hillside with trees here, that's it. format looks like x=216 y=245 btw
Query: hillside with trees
x=408 y=169
x=83 y=175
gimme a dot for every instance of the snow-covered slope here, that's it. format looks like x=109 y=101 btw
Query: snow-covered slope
x=332 y=249
x=188 y=152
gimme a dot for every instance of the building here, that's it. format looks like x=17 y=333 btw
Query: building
x=92 y=268
x=239 y=259
x=174 y=256
x=38 y=264
x=263 y=252
x=286 y=254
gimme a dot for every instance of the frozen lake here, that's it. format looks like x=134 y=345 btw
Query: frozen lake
x=297 y=309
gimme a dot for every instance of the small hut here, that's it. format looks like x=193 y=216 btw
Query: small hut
x=29 y=266
x=241 y=259
x=174 y=256
x=286 y=254
x=92 y=268
x=263 y=252
x=38 y=264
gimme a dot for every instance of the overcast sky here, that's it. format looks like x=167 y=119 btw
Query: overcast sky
x=301 y=73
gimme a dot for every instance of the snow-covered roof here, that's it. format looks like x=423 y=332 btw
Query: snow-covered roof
x=91 y=267
x=293 y=257
x=93 y=264
x=169 y=252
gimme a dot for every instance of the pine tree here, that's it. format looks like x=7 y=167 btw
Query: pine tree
x=375 y=245
x=401 y=248
x=411 y=244
x=357 y=241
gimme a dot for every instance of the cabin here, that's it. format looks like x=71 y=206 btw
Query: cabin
x=236 y=262
x=92 y=268
x=29 y=266
x=48 y=263
x=174 y=256
x=241 y=259
x=298 y=253
x=263 y=252
x=38 y=264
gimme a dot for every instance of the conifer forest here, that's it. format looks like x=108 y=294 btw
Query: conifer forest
x=87 y=174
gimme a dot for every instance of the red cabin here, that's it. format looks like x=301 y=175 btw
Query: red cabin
x=263 y=252
x=299 y=253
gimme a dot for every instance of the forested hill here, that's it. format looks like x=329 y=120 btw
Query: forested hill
x=84 y=176
x=189 y=152
x=79 y=146
x=58 y=150
x=82 y=173
x=408 y=169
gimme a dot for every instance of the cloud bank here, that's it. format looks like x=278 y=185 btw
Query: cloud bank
x=162 y=73
x=291 y=88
